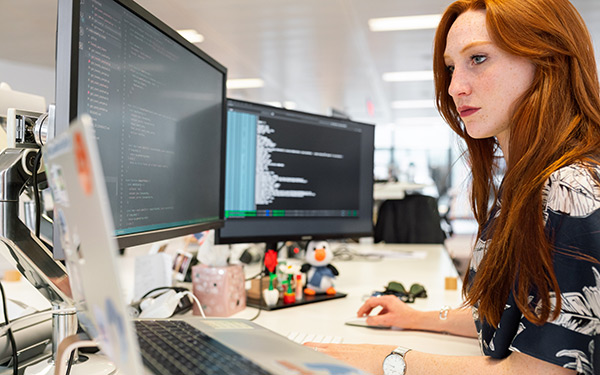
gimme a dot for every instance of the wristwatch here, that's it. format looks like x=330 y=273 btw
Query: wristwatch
x=394 y=363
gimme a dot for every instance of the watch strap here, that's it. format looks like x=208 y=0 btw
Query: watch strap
x=401 y=351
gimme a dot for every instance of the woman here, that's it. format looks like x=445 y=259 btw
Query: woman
x=517 y=77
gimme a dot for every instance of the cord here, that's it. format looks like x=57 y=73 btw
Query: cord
x=255 y=276
x=157 y=289
x=70 y=363
x=195 y=300
x=36 y=193
x=11 y=337
x=260 y=282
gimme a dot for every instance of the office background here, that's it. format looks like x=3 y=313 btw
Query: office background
x=319 y=56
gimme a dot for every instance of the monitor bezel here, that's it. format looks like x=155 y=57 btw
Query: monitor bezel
x=219 y=239
x=67 y=57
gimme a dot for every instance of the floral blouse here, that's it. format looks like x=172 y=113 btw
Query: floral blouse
x=571 y=200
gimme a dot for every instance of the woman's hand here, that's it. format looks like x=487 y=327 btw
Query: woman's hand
x=363 y=356
x=394 y=312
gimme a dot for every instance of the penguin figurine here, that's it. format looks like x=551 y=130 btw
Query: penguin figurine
x=319 y=273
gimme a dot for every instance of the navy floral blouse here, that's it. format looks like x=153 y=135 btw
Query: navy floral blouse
x=571 y=200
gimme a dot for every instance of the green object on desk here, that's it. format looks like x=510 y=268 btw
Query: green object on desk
x=416 y=291
x=394 y=286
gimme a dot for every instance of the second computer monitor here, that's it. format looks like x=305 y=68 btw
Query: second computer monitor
x=292 y=175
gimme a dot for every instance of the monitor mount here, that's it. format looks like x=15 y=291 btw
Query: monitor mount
x=27 y=132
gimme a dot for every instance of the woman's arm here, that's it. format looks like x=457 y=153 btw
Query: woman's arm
x=398 y=314
x=370 y=358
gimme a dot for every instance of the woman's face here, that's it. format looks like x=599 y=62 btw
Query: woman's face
x=486 y=81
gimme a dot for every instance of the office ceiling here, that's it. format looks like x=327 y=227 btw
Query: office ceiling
x=318 y=54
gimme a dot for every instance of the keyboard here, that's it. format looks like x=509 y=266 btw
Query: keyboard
x=174 y=347
x=302 y=337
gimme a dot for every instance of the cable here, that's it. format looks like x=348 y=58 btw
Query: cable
x=255 y=276
x=70 y=363
x=36 y=193
x=195 y=300
x=260 y=280
x=11 y=337
x=157 y=289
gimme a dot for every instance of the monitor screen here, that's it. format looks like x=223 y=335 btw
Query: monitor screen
x=158 y=107
x=292 y=175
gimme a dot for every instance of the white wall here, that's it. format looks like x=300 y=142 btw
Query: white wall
x=31 y=79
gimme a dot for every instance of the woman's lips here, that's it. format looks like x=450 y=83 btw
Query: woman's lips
x=467 y=111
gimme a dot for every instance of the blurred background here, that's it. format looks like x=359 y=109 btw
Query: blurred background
x=366 y=60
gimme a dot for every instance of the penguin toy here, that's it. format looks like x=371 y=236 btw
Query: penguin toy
x=319 y=273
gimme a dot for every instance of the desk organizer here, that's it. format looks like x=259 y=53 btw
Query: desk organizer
x=260 y=303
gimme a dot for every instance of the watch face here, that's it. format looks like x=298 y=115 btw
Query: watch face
x=394 y=365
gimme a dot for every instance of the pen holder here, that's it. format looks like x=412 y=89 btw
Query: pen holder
x=220 y=290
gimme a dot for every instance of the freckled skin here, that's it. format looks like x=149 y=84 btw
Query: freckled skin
x=492 y=81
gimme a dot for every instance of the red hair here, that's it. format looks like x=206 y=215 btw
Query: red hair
x=556 y=123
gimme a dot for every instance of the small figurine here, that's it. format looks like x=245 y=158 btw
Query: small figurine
x=271 y=295
x=319 y=278
x=289 y=296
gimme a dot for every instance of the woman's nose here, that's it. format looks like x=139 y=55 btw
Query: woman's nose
x=459 y=84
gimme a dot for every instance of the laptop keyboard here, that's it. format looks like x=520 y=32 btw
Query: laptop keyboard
x=173 y=347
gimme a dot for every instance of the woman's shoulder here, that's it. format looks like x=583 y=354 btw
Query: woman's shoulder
x=573 y=190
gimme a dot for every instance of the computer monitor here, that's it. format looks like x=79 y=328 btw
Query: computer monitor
x=293 y=175
x=158 y=106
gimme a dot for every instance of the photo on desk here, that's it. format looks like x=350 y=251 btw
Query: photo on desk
x=181 y=264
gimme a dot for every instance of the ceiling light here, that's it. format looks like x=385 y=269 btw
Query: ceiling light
x=417 y=75
x=191 y=35
x=413 y=104
x=245 y=83
x=429 y=21
x=289 y=105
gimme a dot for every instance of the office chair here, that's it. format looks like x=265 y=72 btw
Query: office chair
x=414 y=219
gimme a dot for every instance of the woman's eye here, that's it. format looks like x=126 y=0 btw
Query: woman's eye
x=478 y=59
x=450 y=69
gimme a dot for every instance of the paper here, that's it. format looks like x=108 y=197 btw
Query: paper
x=151 y=271
x=390 y=254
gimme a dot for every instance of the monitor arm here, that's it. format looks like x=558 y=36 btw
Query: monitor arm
x=27 y=253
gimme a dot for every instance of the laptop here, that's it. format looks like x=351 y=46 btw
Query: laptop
x=86 y=230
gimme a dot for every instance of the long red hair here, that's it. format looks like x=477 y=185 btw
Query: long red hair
x=555 y=123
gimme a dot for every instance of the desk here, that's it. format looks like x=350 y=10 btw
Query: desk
x=428 y=265
x=359 y=278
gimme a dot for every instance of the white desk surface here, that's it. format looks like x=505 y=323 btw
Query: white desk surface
x=359 y=278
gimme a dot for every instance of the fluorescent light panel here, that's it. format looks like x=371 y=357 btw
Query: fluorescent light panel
x=428 y=21
x=245 y=83
x=417 y=75
x=191 y=35
x=413 y=104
